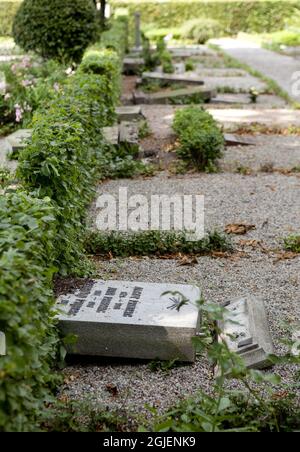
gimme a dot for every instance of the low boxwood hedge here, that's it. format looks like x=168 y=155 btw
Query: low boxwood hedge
x=41 y=224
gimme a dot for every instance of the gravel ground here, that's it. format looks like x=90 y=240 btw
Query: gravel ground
x=269 y=201
x=269 y=151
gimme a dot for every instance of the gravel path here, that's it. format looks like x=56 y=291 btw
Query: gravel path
x=275 y=66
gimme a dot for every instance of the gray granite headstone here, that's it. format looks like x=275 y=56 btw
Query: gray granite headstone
x=131 y=320
x=246 y=331
x=2 y=344
x=137 y=17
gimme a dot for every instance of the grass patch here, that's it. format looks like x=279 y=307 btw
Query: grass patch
x=153 y=243
x=292 y=243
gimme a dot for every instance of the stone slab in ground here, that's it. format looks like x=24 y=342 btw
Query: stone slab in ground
x=163 y=98
x=129 y=113
x=173 y=78
x=131 y=320
x=190 y=51
x=133 y=65
x=246 y=331
x=237 y=140
x=234 y=84
x=18 y=139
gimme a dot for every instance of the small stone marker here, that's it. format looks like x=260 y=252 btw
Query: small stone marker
x=246 y=331
x=129 y=113
x=172 y=78
x=2 y=344
x=236 y=140
x=111 y=134
x=171 y=97
x=17 y=140
x=131 y=320
x=129 y=133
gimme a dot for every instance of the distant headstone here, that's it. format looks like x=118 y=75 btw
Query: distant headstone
x=129 y=113
x=246 y=331
x=172 y=78
x=137 y=17
x=2 y=344
x=132 y=320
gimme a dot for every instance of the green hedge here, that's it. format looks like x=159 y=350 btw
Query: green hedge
x=27 y=232
x=248 y=16
x=40 y=232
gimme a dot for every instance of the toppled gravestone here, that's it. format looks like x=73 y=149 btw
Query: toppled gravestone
x=131 y=320
x=172 y=78
x=173 y=97
x=245 y=329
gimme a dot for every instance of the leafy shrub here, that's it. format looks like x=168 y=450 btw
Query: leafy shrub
x=201 y=140
x=201 y=30
x=27 y=250
x=29 y=84
x=161 y=56
x=55 y=29
x=157 y=243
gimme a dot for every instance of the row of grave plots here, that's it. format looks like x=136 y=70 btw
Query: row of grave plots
x=254 y=198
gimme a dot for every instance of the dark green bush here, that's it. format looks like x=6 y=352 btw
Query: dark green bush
x=56 y=29
x=201 y=30
x=201 y=140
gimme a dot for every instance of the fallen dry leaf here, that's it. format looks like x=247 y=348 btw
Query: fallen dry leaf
x=188 y=260
x=239 y=229
x=285 y=255
x=110 y=387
